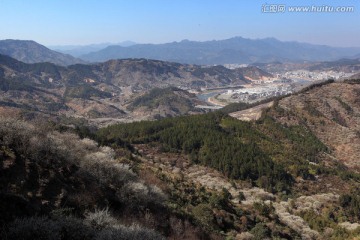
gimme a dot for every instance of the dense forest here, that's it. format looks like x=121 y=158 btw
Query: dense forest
x=265 y=153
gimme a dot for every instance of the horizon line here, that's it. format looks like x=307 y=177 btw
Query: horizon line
x=175 y=41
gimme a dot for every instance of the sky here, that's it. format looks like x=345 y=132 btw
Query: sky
x=82 y=22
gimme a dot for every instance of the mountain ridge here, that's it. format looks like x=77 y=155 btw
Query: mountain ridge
x=29 y=51
x=233 y=50
x=78 y=50
x=104 y=90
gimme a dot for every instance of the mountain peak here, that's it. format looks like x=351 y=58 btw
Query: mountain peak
x=29 y=51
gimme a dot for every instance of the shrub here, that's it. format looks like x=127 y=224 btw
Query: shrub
x=138 y=194
x=49 y=229
x=133 y=232
x=204 y=215
x=260 y=231
x=100 y=219
x=107 y=172
x=316 y=221
x=89 y=144
x=263 y=208
x=16 y=134
x=351 y=204
x=74 y=229
x=241 y=196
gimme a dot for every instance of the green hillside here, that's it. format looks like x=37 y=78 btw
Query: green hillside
x=265 y=152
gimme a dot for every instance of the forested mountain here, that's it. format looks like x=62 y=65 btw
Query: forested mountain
x=298 y=147
x=31 y=52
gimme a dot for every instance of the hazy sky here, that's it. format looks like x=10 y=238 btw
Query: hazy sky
x=65 y=22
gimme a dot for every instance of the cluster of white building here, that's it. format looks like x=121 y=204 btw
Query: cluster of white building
x=235 y=65
x=312 y=76
x=256 y=93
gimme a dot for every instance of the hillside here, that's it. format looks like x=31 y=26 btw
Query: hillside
x=254 y=73
x=55 y=185
x=32 y=52
x=355 y=76
x=166 y=102
x=328 y=109
x=139 y=74
x=233 y=50
x=146 y=74
x=45 y=88
x=205 y=176
x=331 y=112
x=342 y=65
x=297 y=162
x=102 y=91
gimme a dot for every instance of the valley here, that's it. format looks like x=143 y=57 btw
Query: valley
x=179 y=120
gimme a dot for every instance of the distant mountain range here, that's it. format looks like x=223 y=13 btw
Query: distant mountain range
x=341 y=65
x=233 y=50
x=78 y=50
x=230 y=51
x=31 y=52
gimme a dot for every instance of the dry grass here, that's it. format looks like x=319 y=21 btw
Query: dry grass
x=316 y=107
x=251 y=114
